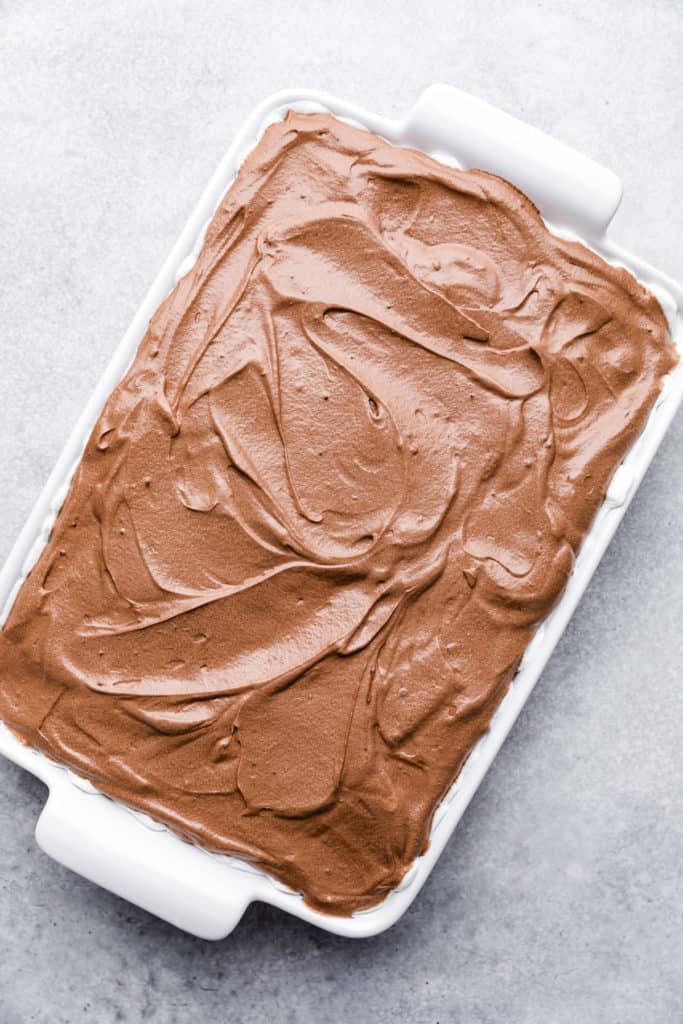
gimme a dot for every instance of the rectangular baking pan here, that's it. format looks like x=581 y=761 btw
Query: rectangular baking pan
x=141 y=860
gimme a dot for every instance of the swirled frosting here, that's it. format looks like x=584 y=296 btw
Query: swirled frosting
x=318 y=521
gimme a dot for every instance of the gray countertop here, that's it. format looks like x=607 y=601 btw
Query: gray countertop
x=558 y=899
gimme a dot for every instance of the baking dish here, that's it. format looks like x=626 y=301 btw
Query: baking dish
x=142 y=861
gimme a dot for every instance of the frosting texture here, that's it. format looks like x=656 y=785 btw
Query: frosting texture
x=317 y=523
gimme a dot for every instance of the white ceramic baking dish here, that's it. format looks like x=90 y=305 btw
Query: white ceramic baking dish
x=141 y=860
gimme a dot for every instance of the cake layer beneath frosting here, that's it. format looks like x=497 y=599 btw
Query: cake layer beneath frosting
x=317 y=523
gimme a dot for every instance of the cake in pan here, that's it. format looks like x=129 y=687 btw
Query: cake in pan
x=317 y=523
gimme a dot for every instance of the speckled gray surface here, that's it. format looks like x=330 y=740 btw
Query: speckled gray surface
x=558 y=901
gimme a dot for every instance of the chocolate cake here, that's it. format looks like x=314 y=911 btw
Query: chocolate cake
x=318 y=521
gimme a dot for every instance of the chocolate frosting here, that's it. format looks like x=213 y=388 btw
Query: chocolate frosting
x=317 y=523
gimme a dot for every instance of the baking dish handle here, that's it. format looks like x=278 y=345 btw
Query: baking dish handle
x=106 y=843
x=570 y=190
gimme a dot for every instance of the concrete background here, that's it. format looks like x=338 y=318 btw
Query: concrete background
x=559 y=899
